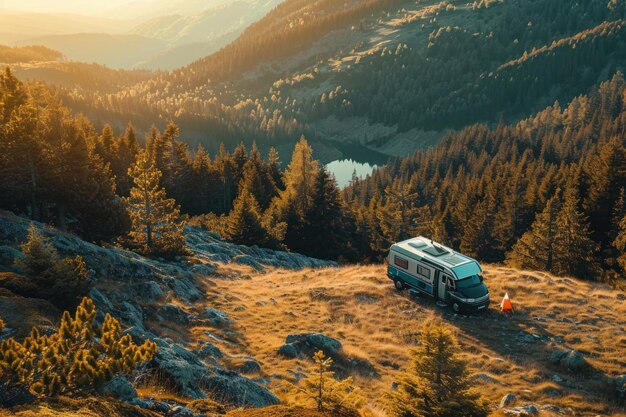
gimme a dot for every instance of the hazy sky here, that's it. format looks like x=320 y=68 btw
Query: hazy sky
x=71 y=6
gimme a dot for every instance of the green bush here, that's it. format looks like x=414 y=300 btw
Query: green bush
x=78 y=358
x=61 y=280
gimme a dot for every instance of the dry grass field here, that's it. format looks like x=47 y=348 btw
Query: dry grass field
x=359 y=306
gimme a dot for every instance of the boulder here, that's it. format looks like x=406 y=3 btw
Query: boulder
x=617 y=386
x=525 y=410
x=552 y=408
x=150 y=291
x=208 y=350
x=119 y=387
x=238 y=391
x=568 y=359
x=216 y=317
x=173 y=313
x=248 y=260
x=183 y=288
x=507 y=400
x=180 y=411
x=131 y=315
x=183 y=368
x=306 y=344
x=244 y=365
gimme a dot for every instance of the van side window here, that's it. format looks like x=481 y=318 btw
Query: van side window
x=401 y=262
x=425 y=272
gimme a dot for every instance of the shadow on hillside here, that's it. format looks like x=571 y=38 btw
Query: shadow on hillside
x=522 y=340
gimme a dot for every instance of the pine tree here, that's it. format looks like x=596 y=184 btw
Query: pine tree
x=322 y=390
x=536 y=248
x=574 y=250
x=300 y=177
x=79 y=357
x=620 y=245
x=61 y=280
x=244 y=223
x=437 y=383
x=324 y=234
x=156 y=226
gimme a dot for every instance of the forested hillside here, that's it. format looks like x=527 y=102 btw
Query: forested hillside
x=392 y=75
x=545 y=193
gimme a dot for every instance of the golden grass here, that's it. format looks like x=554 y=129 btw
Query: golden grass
x=359 y=306
x=87 y=407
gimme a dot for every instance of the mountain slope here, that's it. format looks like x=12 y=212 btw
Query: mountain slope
x=117 y=51
x=358 y=306
x=390 y=75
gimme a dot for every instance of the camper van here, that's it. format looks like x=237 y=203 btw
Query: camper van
x=428 y=267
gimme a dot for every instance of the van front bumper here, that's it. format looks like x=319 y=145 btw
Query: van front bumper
x=473 y=305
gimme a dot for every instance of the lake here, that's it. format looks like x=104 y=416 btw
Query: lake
x=343 y=170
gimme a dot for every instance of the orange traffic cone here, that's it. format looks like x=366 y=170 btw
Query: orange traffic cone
x=505 y=305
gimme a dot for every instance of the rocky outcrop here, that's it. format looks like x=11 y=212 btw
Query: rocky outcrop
x=139 y=290
x=306 y=344
x=231 y=388
x=569 y=359
x=119 y=387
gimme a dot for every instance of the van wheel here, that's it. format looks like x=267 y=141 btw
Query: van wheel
x=399 y=285
x=456 y=307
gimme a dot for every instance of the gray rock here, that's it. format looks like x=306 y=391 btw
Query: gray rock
x=569 y=359
x=289 y=351
x=183 y=368
x=209 y=350
x=485 y=378
x=526 y=410
x=618 y=386
x=180 y=411
x=101 y=301
x=552 y=408
x=202 y=269
x=308 y=343
x=160 y=407
x=507 y=400
x=246 y=365
x=150 y=291
x=216 y=317
x=173 y=313
x=131 y=315
x=240 y=391
x=248 y=260
x=140 y=403
x=184 y=288
x=119 y=388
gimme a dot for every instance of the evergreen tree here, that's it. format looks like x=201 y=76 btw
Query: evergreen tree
x=620 y=245
x=156 y=226
x=78 y=358
x=321 y=389
x=300 y=178
x=536 y=248
x=244 y=224
x=574 y=250
x=324 y=234
x=61 y=280
x=437 y=383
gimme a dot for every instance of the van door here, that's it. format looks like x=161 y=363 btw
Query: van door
x=441 y=285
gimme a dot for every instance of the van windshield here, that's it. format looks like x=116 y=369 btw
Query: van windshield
x=468 y=282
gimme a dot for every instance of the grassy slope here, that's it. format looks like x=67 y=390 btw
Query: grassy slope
x=359 y=306
x=91 y=407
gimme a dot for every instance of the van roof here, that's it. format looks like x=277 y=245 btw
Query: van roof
x=423 y=248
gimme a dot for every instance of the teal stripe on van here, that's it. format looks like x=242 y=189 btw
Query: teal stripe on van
x=410 y=279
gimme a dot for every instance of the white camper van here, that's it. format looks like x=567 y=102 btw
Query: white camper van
x=436 y=270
